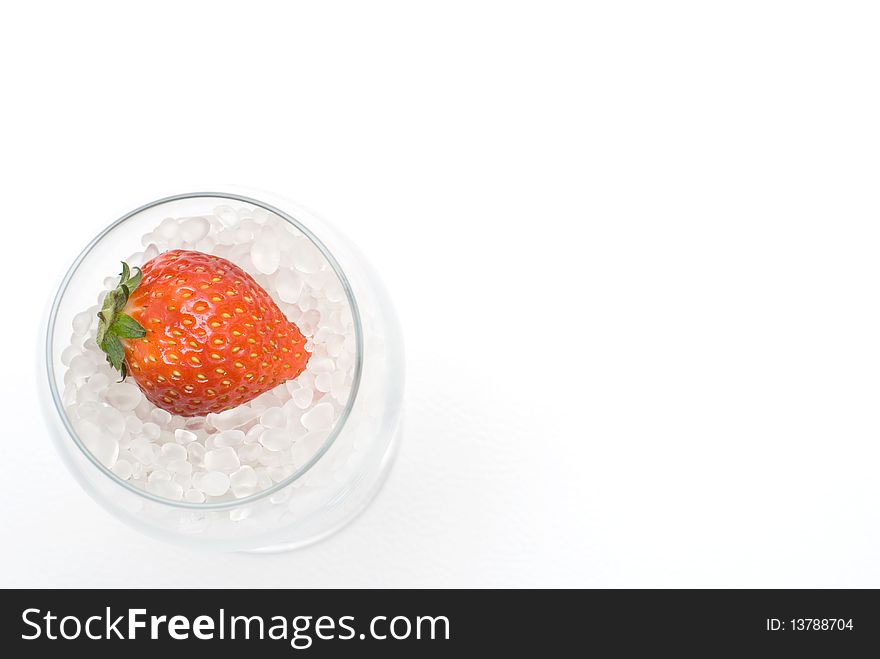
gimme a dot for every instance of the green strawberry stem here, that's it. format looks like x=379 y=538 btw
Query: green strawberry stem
x=114 y=324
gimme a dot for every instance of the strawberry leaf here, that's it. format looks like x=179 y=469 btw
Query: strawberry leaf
x=126 y=327
x=120 y=297
x=103 y=323
x=134 y=281
x=115 y=352
x=114 y=325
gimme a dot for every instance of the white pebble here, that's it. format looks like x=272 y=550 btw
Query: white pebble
x=83 y=321
x=97 y=383
x=151 y=252
x=90 y=410
x=323 y=382
x=292 y=385
x=334 y=291
x=206 y=245
x=268 y=399
x=196 y=454
x=243 y=481
x=214 y=483
x=265 y=252
x=334 y=345
x=238 y=514
x=281 y=496
x=143 y=409
x=319 y=417
x=151 y=431
x=145 y=454
x=122 y=468
x=194 y=423
x=318 y=365
x=306 y=447
x=150 y=239
x=160 y=416
x=173 y=451
x=112 y=421
x=196 y=480
x=182 y=436
x=250 y=452
x=272 y=458
x=93 y=352
x=194 y=229
x=180 y=467
x=259 y=215
x=340 y=381
x=69 y=353
x=102 y=446
x=123 y=396
x=288 y=286
x=169 y=228
x=222 y=459
x=133 y=425
x=166 y=489
x=69 y=396
x=307 y=258
x=308 y=324
x=273 y=418
x=253 y=435
x=226 y=214
x=81 y=366
x=264 y=481
x=280 y=472
x=231 y=438
x=276 y=439
x=194 y=496
x=302 y=398
x=318 y=280
x=234 y=418
x=225 y=238
x=159 y=475
x=183 y=478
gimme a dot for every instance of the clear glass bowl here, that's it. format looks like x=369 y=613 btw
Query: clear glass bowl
x=322 y=495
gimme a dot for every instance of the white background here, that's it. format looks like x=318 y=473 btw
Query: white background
x=634 y=248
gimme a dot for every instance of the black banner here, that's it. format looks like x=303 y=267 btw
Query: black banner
x=287 y=623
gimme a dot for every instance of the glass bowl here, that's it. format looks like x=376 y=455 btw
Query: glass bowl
x=341 y=475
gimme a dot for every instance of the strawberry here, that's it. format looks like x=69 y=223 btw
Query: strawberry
x=198 y=334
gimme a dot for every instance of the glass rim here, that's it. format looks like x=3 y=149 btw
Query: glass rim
x=340 y=422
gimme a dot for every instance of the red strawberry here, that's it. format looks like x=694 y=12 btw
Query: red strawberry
x=198 y=334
